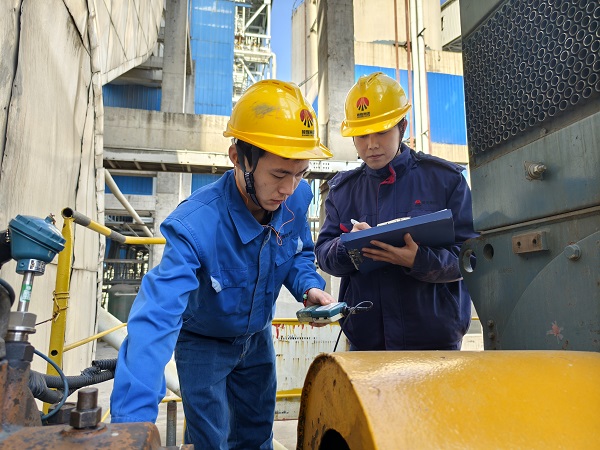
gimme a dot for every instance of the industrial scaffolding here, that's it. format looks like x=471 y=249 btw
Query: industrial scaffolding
x=252 y=57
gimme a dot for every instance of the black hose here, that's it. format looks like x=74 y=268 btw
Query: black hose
x=39 y=389
x=7 y=291
x=79 y=381
x=42 y=386
x=105 y=364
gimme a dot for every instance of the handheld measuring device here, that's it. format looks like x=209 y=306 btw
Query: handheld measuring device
x=322 y=313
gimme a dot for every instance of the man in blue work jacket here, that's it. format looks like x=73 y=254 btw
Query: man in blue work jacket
x=419 y=299
x=229 y=249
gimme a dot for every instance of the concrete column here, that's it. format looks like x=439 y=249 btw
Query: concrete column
x=190 y=90
x=335 y=20
x=175 y=52
x=172 y=188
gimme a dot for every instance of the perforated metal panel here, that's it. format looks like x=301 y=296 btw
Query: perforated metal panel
x=527 y=64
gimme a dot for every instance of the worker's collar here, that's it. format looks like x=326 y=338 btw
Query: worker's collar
x=398 y=165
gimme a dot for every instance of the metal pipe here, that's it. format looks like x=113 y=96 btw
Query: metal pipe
x=574 y=98
x=61 y=298
x=26 y=287
x=171 y=437
x=110 y=182
x=423 y=74
x=416 y=78
x=92 y=338
x=396 y=43
x=107 y=321
x=85 y=221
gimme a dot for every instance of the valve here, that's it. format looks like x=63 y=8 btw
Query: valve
x=33 y=243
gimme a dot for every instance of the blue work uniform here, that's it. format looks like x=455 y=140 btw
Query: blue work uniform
x=426 y=307
x=213 y=294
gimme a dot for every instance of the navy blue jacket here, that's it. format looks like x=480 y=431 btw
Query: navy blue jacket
x=423 y=308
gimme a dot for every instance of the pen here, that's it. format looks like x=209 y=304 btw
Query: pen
x=353 y=221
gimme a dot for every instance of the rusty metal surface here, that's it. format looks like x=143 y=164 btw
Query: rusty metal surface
x=409 y=400
x=106 y=436
x=535 y=241
x=18 y=404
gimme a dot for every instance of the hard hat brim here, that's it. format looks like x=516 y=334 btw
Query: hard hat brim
x=362 y=127
x=285 y=148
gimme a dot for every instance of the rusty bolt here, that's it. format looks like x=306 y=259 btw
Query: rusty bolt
x=63 y=415
x=87 y=414
x=492 y=335
x=490 y=323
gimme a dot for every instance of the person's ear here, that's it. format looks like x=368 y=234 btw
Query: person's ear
x=233 y=155
x=402 y=128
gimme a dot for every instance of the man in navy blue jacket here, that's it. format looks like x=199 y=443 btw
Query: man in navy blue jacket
x=230 y=247
x=419 y=299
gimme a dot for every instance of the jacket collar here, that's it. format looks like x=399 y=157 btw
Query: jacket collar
x=395 y=168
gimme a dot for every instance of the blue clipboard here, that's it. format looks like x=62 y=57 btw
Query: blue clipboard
x=431 y=230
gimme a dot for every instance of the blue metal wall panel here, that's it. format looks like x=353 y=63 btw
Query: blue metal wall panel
x=212 y=36
x=131 y=96
x=447 y=116
x=132 y=185
x=202 y=179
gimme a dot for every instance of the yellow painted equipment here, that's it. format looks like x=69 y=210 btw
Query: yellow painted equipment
x=457 y=400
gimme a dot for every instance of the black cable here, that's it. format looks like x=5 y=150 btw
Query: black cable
x=349 y=310
x=65 y=385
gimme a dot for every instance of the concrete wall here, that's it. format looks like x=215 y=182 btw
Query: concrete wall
x=54 y=57
x=169 y=138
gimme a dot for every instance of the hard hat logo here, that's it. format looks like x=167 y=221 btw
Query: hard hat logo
x=307 y=118
x=266 y=116
x=362 y=103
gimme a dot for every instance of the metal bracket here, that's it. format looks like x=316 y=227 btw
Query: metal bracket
x=535 y=241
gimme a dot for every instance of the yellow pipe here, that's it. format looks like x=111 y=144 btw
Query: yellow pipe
x=443 y=399
x=290 y=393
x=92 y=338
x=106 y=414
x=85 y=221
x=291 y=321
x=61 y=299
x=60 y=303
x=144 y=240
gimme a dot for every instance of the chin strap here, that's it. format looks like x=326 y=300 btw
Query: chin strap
x=249 y=176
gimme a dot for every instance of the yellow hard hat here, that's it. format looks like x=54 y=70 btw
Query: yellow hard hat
x=375 y=103
x=274 y=116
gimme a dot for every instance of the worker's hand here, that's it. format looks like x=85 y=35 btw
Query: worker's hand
x=401 y=256
x=316 y=296
x=360 y=226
